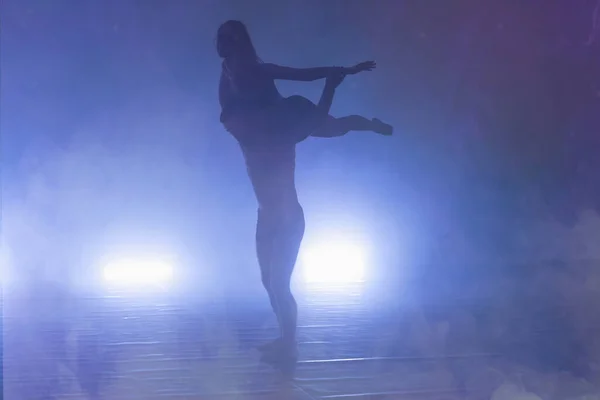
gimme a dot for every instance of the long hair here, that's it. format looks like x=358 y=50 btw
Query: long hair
x=242 y=39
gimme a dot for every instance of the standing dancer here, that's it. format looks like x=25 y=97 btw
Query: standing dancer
x=267 y=127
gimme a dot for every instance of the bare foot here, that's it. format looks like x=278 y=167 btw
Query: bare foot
x=382 y=128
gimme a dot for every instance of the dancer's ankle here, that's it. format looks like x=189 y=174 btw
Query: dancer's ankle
x=381 y=127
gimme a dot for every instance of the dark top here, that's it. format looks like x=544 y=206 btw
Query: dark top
x=245 y=88
x=270 y=167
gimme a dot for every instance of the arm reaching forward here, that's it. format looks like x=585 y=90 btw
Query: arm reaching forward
x=275 y=71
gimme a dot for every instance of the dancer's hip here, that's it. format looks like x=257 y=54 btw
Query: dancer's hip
x=288 y=120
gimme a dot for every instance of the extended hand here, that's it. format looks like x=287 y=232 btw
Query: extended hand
x=363 y=66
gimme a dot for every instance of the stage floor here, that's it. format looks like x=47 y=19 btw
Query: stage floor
x=132 y=346
x=353 y=345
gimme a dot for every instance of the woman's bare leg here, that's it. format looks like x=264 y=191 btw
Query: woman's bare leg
x=279 y=233
x=278 y=240
x=287 y=243
x=263 y=253
x=326 y=100
x=333 y=127
x=281 y=247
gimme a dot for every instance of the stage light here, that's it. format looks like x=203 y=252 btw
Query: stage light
x=138 y=272
x=334 y=261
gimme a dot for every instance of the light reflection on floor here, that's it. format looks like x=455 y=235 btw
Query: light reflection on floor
x=130 y=347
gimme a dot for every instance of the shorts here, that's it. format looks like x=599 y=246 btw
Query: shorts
x=288 y=121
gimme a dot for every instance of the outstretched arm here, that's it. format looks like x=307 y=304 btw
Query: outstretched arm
x=275 y=71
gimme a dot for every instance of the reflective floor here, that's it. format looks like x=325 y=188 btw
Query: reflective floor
x=130 y=346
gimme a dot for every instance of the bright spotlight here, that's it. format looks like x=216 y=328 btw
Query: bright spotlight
x=138 y=272
x=334 y=262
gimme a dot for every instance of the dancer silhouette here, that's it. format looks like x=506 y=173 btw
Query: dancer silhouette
x=268 y=127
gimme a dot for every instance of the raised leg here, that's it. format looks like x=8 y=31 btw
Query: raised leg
x=326 y=100
x=334 y=127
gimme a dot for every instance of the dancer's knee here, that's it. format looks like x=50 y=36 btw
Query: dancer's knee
x=278 y=214
x=280 y=288
x=332 y=127
x=265 y=278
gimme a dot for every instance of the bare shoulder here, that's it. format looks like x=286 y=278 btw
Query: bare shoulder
x=241 y=67
x=270 y=67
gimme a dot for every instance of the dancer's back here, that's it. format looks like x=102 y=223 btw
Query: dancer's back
x=245 y=87
x=244 y=91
